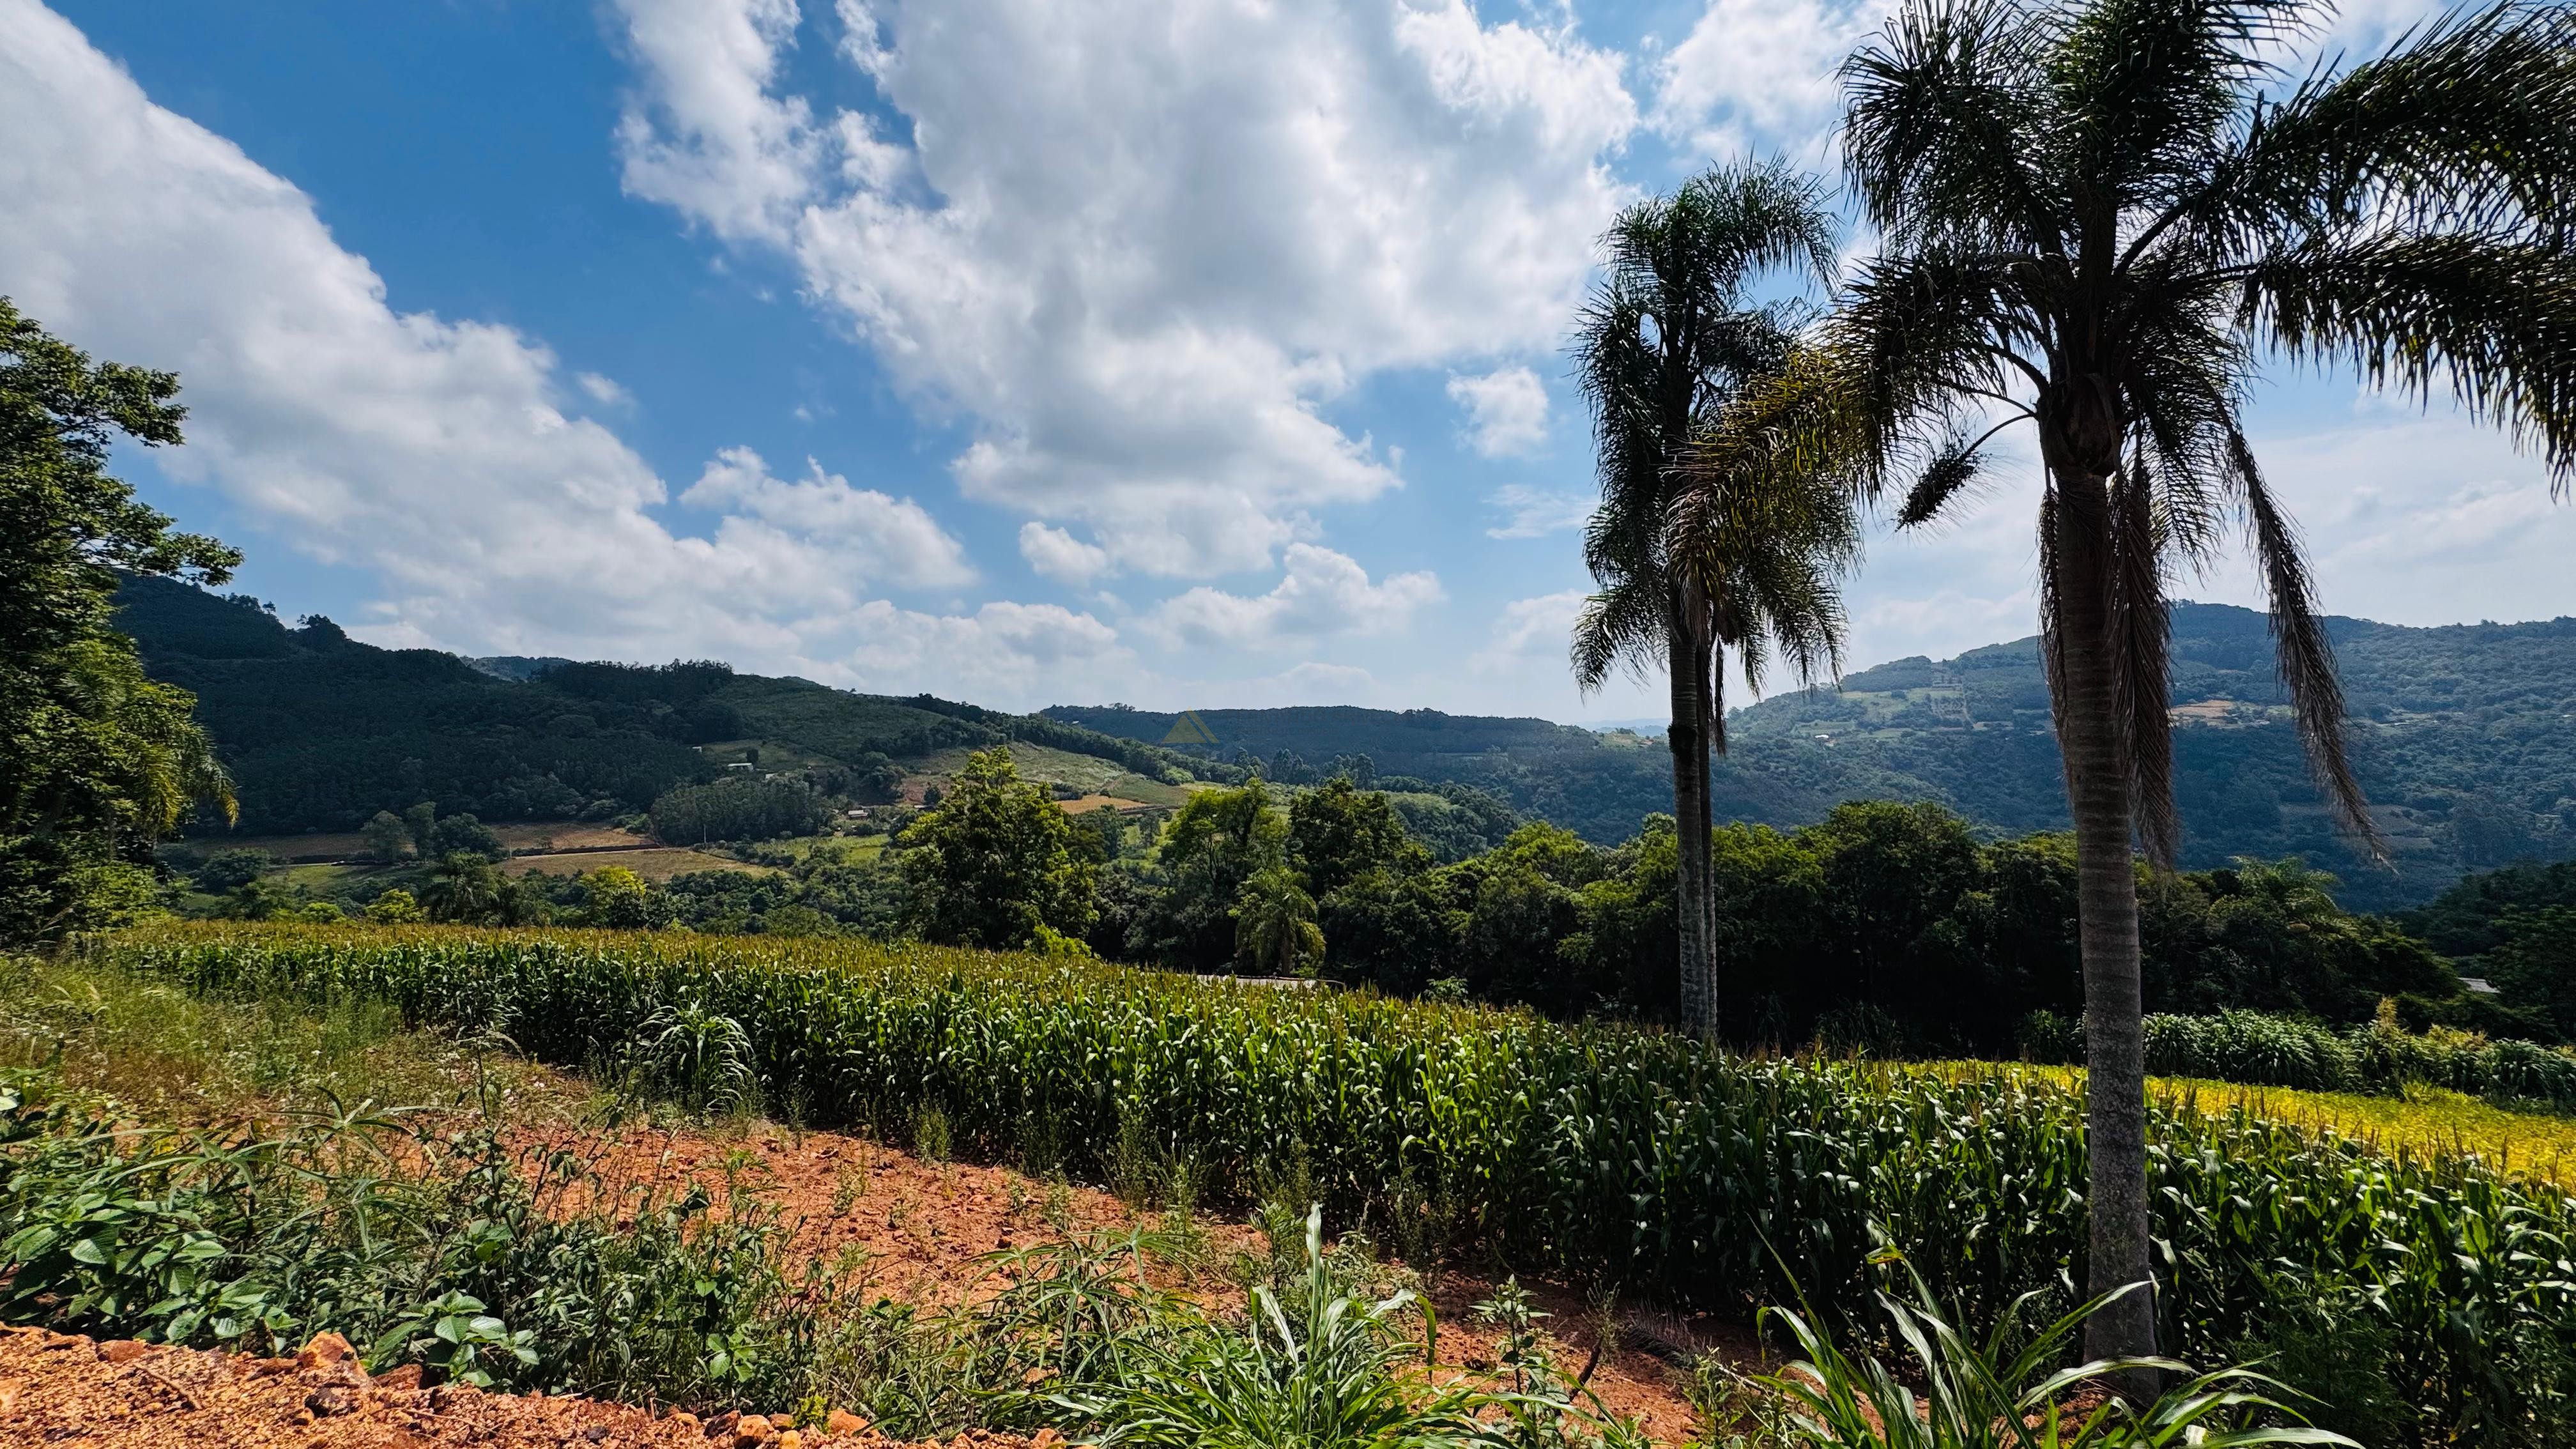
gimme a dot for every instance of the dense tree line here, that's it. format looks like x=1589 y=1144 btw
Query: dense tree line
x=321 y=731
x=1889 y=926
x=2458 y=736
x=1884 y=924
x=738 y=809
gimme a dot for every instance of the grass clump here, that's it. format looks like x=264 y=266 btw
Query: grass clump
x=2012 y=1390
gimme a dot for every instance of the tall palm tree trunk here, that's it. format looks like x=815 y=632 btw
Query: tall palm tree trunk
x=2115 y=1083
x=1689 y=738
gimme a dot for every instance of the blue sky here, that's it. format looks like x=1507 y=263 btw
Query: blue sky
x=1022 y=351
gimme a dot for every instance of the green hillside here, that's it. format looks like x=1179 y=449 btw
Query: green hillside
x=321 y=731
x=2462 y=735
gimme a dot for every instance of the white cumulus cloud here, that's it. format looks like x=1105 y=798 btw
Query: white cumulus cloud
x=863 y=535
x=1061 y=556
x=1530 y=630
x=438 y=454
x=1143 y=245
x=1322 y=594
x=1759 y=74
x=1536 y=512
x=1506 y=410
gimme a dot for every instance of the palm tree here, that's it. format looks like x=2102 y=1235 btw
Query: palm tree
x=1274 y=924
x=2099 y=216
x=463 y=887
x=1666 y=338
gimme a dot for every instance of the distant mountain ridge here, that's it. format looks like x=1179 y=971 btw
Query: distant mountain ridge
x=2464 y=735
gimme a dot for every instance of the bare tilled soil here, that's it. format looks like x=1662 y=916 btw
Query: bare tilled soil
x=62 y=1389
x=923 y=1233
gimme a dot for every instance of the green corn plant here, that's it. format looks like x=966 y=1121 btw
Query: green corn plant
x=1314 y=1364
x=1996 y=1395
x=699 y=1058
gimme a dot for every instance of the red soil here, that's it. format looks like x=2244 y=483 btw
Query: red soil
x=61 y=1389
x=925 y=1231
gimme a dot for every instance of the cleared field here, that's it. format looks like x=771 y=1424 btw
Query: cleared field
x=340 y=846
x=655 y=863
x=1089 y=803
x=322 y=880
x=848 y=849
x=533 y=835
x=1091 y=775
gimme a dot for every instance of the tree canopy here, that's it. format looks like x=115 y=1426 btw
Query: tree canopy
x=96 y=761
x=997 y=862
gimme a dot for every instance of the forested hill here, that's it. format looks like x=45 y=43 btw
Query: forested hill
x=321 y=731
x=2465 y=737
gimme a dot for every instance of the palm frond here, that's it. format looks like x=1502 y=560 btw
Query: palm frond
x=2467 y=122
x=2305 y=655
x=2141 y=663
x=1619 y=628
x=2493 y=320
x=1944 y=117
x=2145 y=91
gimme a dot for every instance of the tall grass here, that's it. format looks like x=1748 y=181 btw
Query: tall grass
x=1637 y=1158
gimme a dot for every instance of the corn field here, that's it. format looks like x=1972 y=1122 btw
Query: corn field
x=2440 y=1292
x=2280 y=1051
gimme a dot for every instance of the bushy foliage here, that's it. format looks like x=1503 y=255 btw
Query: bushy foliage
x=1628 y=1155
x=230 y=870
x=996 y=862
x=97 y=761
x=2012 y=1390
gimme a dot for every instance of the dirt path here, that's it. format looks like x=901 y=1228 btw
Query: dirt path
x=62 y=1389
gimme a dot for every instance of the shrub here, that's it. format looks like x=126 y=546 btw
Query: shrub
x=2009 y=1392
x=230 y=870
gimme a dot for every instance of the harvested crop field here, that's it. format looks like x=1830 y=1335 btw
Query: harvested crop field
x=2424 y=1122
